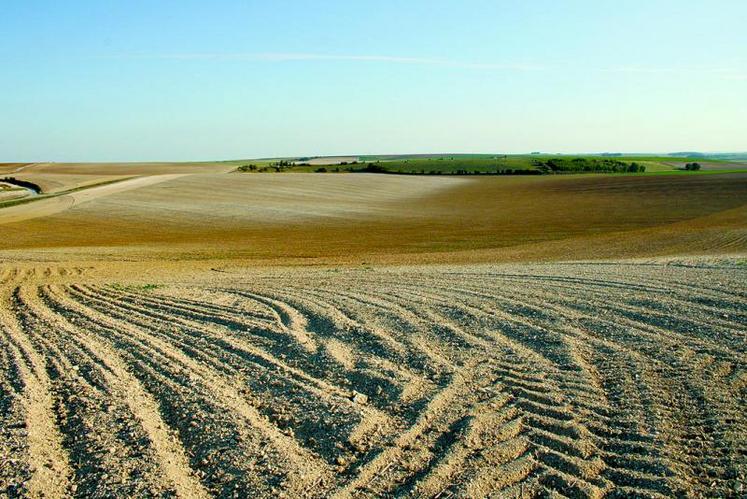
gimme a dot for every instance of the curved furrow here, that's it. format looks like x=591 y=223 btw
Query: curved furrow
x=676 y=317
x=234 y=341
x=387 y=384
x=704 y=411
x=357 y=443
x=549 y=409
x=424 y=370
x=438 y=425
x=634 y=331
x=424 y=330
x=230 y=340
x=328 y=321
x=238 y=322
x=722 y=284
x=214 y=302
x=659 y=341
x=14 y=469
x=577 y=312
x=420 y=352
x=506 y=326
x=415 y=325
x=490 y=435
x=374 y=365
x=530 y=276
x=714 y=303
x=529 y=336
x=572 y=380
x=617 y=352
x=318 y=363
x=609 y=433
x=553 y=421
x=544 y=410
x=290 y=319
x=338 y=361
x=169 y=329
x=225 y=348
x=123 y=389
x=189 y=391
x=656 y=279
x=47 y=469
x=267 y=344
x=101 y=463
x=299 y=398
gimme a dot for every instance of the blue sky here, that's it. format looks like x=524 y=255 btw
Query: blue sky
x=187 y=80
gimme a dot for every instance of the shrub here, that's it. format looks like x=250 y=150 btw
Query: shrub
x=375 y=168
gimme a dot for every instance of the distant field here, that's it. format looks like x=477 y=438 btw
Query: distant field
x=59 y=177
x=387 y=217
x=10 y=192
x=466 y=164
x=123 y=169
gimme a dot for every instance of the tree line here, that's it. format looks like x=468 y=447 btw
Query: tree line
x=587 y=165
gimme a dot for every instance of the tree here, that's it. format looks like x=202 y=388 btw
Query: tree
x=692 y=166
x=374 y=168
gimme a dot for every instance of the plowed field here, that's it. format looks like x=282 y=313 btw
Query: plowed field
x=578 y=380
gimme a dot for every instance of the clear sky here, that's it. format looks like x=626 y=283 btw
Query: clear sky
x=195 y=80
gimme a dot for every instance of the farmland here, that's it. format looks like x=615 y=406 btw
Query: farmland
x=363 y=335
x=580 y=380
x=471 y=164
x=388 y=218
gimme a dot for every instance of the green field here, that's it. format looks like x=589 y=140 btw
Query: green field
x=471 y=164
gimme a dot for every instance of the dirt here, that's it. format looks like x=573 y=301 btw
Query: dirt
x=373 y=218
x=607 y=378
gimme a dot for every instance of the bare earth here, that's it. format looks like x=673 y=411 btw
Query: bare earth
x=199 y=333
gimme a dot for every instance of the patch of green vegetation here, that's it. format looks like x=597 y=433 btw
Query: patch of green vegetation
x=487 y=164
x=588 y=165
x=278 y=166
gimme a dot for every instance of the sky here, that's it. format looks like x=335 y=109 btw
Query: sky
x=135 y=80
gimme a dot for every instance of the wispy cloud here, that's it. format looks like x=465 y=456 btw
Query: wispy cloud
x=302 y=56
x=737 y=72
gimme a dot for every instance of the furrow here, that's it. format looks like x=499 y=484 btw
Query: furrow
x=126 y=388
x=302 y=466
x=47 y=459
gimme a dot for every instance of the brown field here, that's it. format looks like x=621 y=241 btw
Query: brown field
x=186 y=331
x=360 y=217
